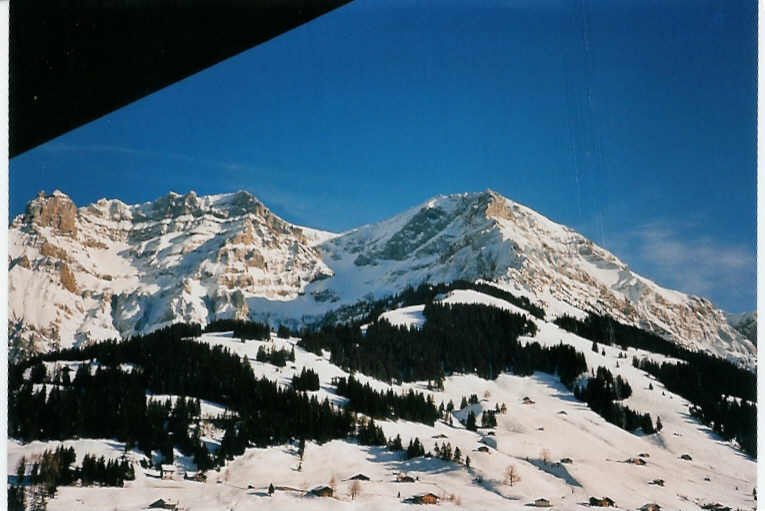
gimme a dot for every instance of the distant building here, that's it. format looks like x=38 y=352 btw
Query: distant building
x=716 y=507
x=636 y=461
x=320 y=491
x=566 y=460
x=686 y=457
x=403 y=478
x=541 y=502
x=527 y=400
x=162 y=504
x=425 y=498
x=651 y=507
x=644 y=455
x=601 y=502
x=193 y=475
x=359 y=477
x=483 y=448
x=167 y=471
x=658 y=482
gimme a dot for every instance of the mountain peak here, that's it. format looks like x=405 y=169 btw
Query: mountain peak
x=186 y=257
x=56 y=211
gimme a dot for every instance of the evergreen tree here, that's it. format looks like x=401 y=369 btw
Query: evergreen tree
x=470 y=423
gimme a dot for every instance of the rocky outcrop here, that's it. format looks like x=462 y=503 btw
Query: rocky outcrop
x=67 y=278
x=56 y=211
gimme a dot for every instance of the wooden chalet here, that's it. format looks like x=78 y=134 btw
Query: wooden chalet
x=602 y=502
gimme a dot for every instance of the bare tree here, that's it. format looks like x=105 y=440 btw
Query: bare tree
x=355 y=489
x=546 y=456
x=511 y=475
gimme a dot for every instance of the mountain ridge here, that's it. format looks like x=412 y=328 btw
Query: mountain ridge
x=110 y=269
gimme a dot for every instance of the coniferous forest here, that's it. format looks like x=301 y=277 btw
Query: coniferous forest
x=439 y=348
x=411 y=406
x=111 y=403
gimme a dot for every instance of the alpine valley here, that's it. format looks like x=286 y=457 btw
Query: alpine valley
x=468 y=352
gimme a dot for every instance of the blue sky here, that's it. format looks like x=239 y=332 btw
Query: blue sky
x=630 y=121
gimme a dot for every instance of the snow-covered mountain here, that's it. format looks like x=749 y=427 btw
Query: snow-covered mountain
x=744 y=322
x=111 y=269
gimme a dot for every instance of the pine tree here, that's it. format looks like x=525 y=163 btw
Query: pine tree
x=470 y=423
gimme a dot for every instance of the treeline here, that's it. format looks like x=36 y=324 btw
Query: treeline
x=455 y=338
x=728 y=417
x=242 y=329
x=112 y=403
x=602 y=393
x=308 y=379
x=412 y=406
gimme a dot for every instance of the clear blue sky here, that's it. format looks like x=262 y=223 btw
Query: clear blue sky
x=631 y=121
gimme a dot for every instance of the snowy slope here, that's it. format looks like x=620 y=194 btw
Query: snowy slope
x=556 y=425
x=111 y=269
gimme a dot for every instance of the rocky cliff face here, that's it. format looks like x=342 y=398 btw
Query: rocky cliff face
x=111 y=269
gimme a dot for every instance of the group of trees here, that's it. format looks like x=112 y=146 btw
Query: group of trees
x=308 y=379
x=413 y=406
x=40 y=479
x=242 y=329
x=444 y=452
x=602 y=393
x=105 y=472
x=728 y=406
x=369 y=433
x=414 y=449
x=277 y=357
x=489 y=419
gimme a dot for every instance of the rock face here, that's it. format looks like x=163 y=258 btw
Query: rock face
x=111 y=269
x=56 y=211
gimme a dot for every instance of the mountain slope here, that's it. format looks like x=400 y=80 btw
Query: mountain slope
x=745 y=323
x=112 y=269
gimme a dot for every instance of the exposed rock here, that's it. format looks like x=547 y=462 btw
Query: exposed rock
x=89 y=242
x=56 y=210
x=48 y=249
x=67 y=278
